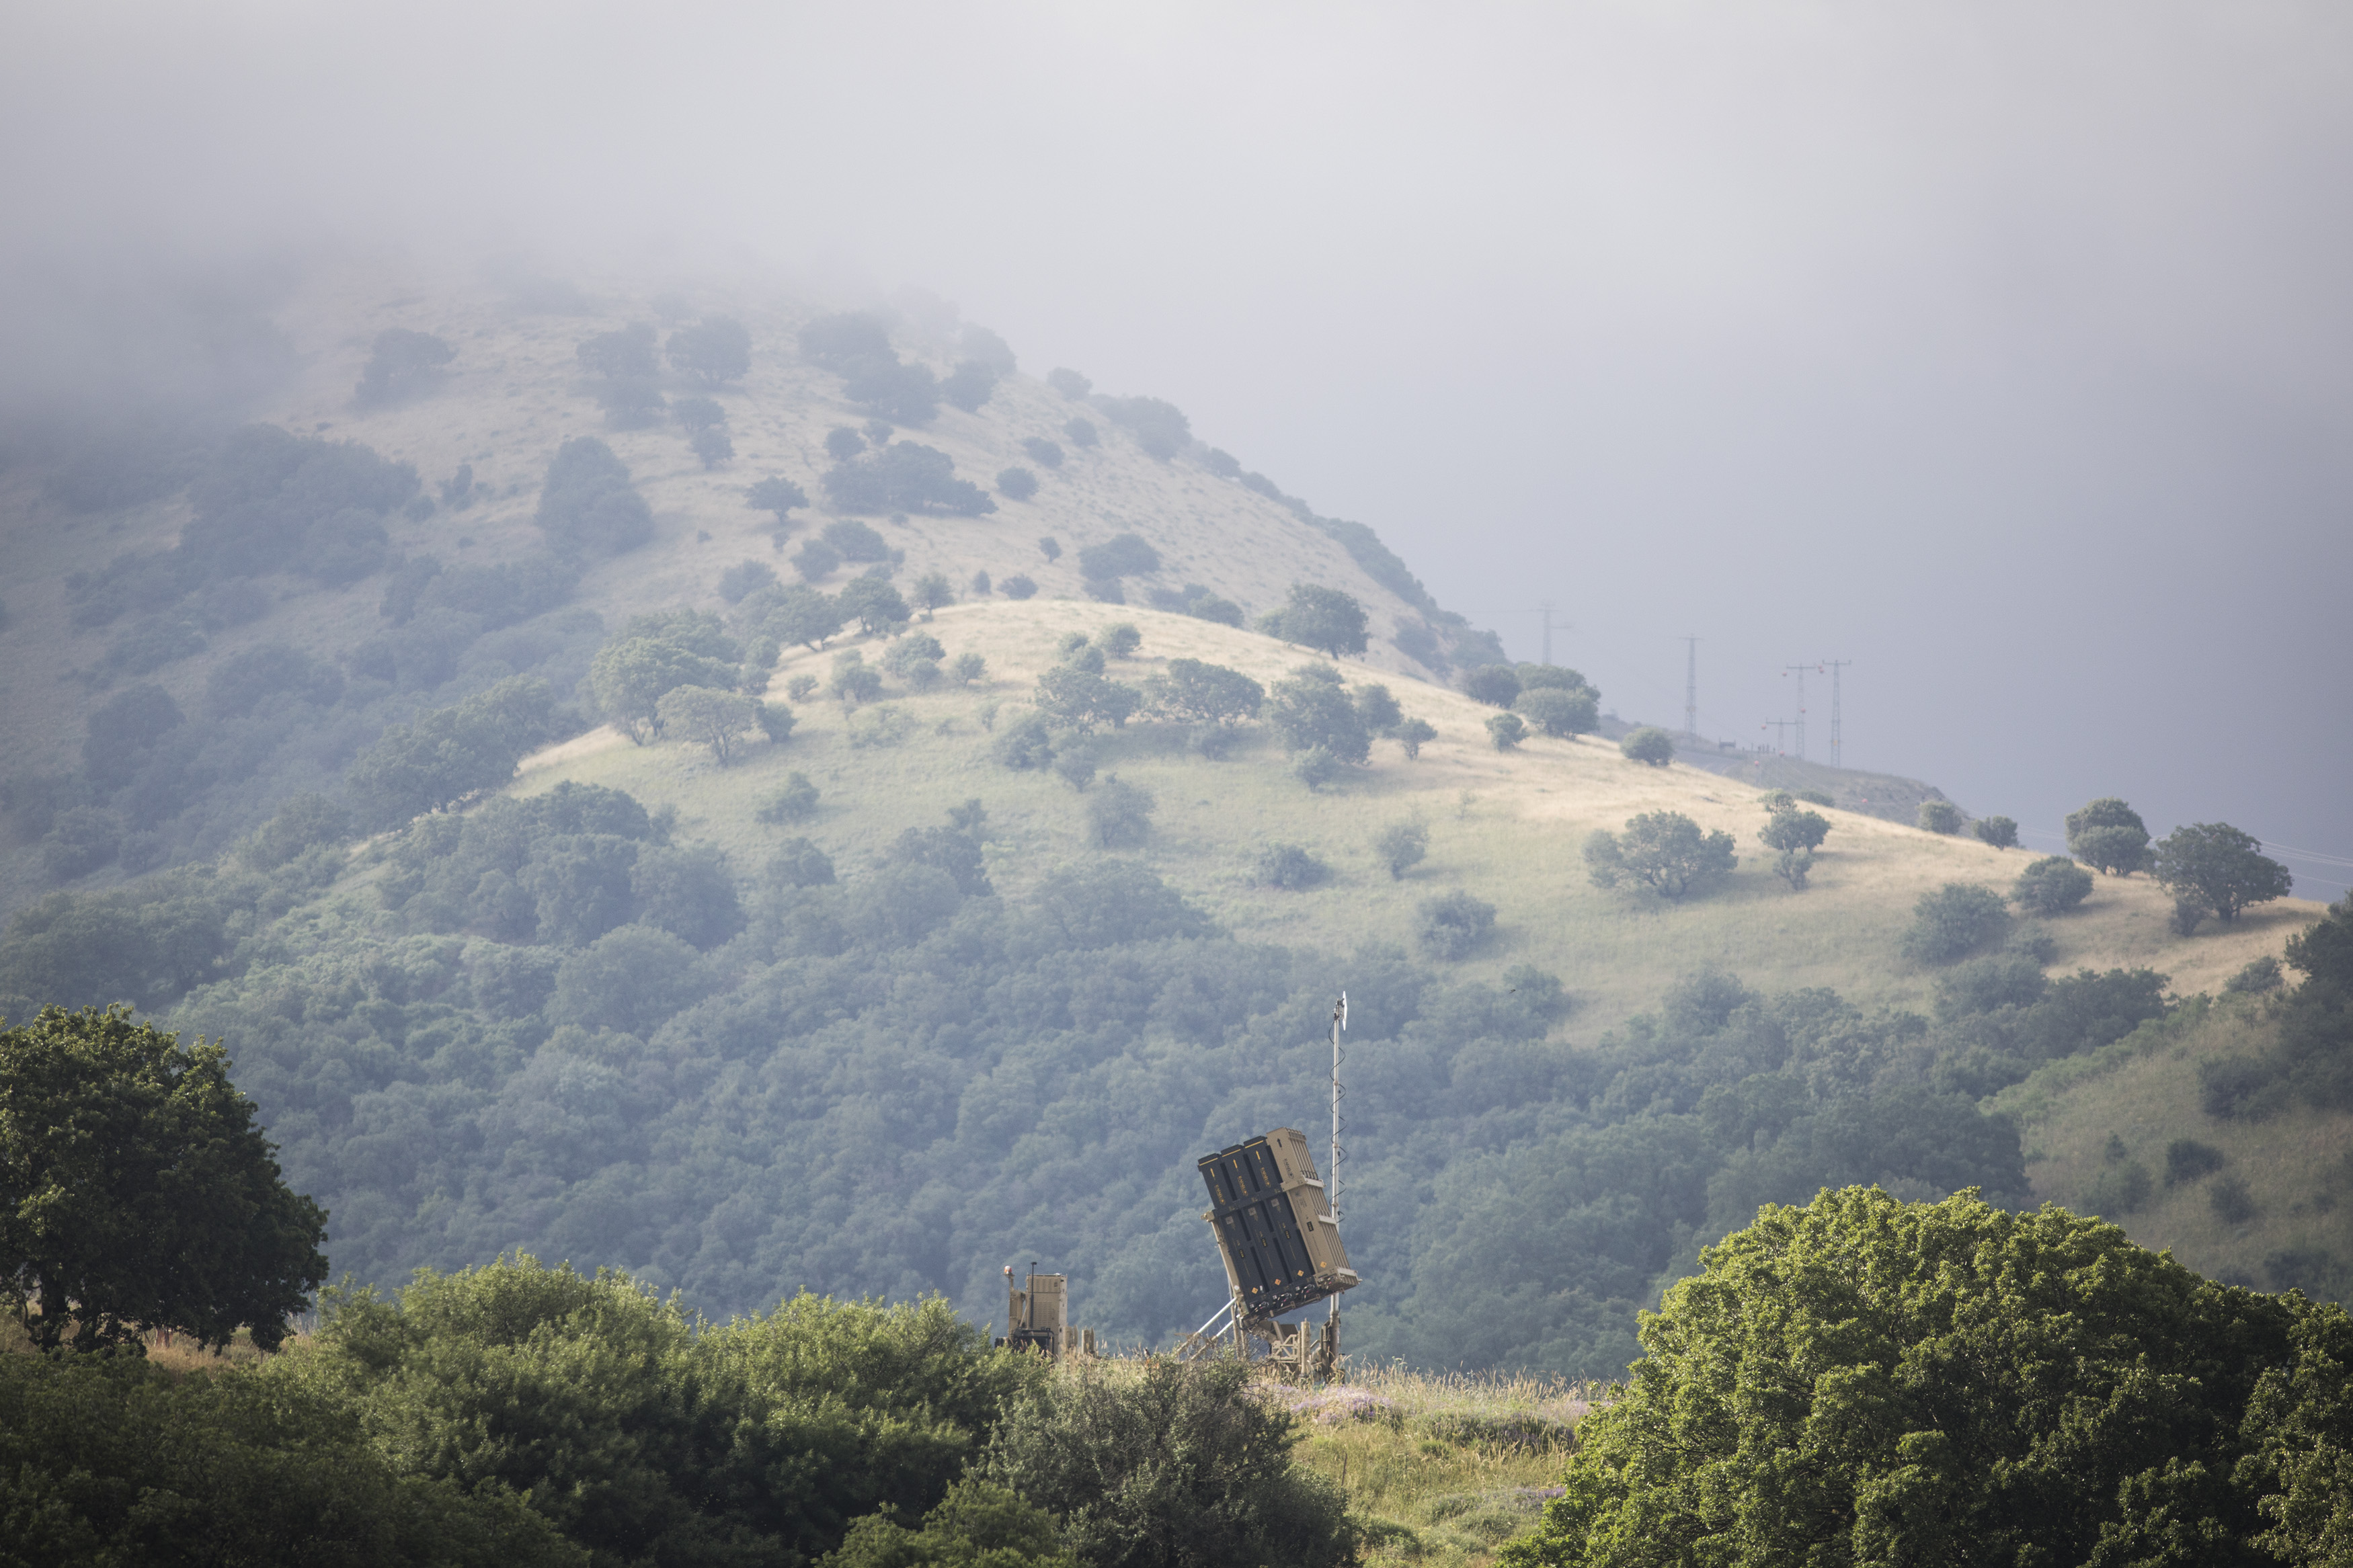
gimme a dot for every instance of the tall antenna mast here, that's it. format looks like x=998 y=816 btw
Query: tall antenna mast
x=1834 y=665
x=1691 y=685
x=1332 y=1174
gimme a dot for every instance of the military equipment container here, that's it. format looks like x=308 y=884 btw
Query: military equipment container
x=1281 y=1245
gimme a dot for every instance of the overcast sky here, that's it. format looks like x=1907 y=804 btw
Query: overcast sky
x=2002 y=349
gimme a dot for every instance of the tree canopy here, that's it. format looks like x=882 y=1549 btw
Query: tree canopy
x=2108 y=836
x=2216 y=866
x=587 y=507
x=1650 y=745
x=136 y=1192
x=1662 y=850
x=1310 y=708
x=1202 y=693
x=714 y=351
x=1322 y=618
x=450 y=753
x=1867 y=1379
x=905 y=476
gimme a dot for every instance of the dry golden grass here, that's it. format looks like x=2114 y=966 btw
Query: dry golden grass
x=1508 y=827
x=1418 y=1454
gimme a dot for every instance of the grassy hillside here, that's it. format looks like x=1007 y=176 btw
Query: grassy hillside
x=513 y=393
x=1508 y=827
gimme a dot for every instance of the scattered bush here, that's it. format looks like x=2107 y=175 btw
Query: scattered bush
x=1311 y=709
x=2051 y=886
x=1017 y=587
x=701 y=715
x=402 y=364
x=627 y=352
x=1402 y=848
x=1454 y=926
x=2001 y=832
x=587 y=507
x=1119 y=816
x=1506 y=729
x=836 y=340
x=905 y=476
x=1557 y=713
x=1954 y=922
x=744 y=577
x=1194 y=692
x=1795 y=835
x=1939 y=817
x=1413 y=734
x=914 y=658
x=713 y=446
x=1121 y=555
x=801 y=688
x=1377 y=706
x=1662 y=850
x=1017 y=484
x=1496 y=685
x=1324 y=619
x=1050 y=548
x=1081 y=433
x=2214 y=866
x=1650 y=745
x=816 y=559
x=968 y=387
x=800 y=864
x=1120 y=640
x=1044 y=453
x=874 y=604
x=892 y=389
x=776 y=496
x=1316 y=766
x=967 y=668
x=855 y=541
x=1222 y=463
x=449 y=753
x=715 y=351
x=795 y=801
x=1069 y=383
x=699 y=413
x=1026 y=743
x=2118 y=1191
x=2108 y=836
x=2232 y=1202
x=2187 y=1160
x=1075 y=766
x=854 y=681
x=1160 y=428
x=2260 y=976
x=1289 y=867
x=632 y=402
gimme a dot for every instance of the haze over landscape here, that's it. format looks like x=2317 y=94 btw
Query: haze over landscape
x=675 y=683
x=2000 y=350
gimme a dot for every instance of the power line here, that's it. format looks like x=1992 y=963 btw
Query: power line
x=1690 y=685
x=1834 y=665
x=1544 y=610
x=1801 y=669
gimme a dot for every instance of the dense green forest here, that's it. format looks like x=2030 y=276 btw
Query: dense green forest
x=549 y=1022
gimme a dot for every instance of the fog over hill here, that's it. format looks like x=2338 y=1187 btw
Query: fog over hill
x=1998 y=350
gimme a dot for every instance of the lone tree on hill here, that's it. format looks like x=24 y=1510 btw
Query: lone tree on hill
x=1953 y=922
x=627 y=353
x=703 y=716
x=1795 y=835
x=136 y=1192
x=1662 y=850
x=1324 y=619
x=1940 y=816
x=2213 y=866
x=1414 y=734
x=1402 y=848
x=1648 y=744
x=1506 y=729
x=404 y=363
x=2001 y=832
x=2109 y=836
x=715 y=351
x=1496 y=685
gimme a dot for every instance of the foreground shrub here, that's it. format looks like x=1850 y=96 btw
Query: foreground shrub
x=1290 y=867
x=1864 y=1380
x=1183 y=1468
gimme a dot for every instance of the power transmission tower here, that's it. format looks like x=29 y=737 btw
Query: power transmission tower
x=1690 y=685
x=1801 y=669
x=1543 y=609
x=1834 y=665
x=1782 y=725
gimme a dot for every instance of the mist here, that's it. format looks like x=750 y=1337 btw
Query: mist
x=2001 y=350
